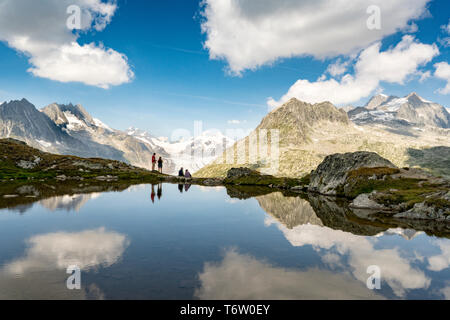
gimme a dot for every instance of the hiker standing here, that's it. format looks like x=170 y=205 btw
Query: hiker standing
x=160 y=165
x=154 y=162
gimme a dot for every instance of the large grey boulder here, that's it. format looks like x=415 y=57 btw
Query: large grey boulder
x=331 y=174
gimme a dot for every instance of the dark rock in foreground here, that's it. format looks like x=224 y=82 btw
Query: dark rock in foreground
x=330 y=176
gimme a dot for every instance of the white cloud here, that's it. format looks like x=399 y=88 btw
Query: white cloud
x=338 y=68
x=424 y=76
x=398 y=271
x=39 y=30
x=251 y=33
x=441 y=261
x=86 y=249
x=372 y=67
x=243 y=277
x=443 y=72
x=446 y=292
x=446 y=28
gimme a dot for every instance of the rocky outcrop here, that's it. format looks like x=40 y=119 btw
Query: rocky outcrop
x=236 y=173
x=246 y=176
x=330 y=176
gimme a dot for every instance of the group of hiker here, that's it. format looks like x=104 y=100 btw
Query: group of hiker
x=185 y=174
x=159 y=162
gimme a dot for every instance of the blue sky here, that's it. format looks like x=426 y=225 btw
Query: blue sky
x=176 y=82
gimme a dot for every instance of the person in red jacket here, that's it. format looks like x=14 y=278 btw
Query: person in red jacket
x=154 y=162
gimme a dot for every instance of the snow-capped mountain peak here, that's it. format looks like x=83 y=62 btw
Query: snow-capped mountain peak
x=409 y=110
x=188 y=152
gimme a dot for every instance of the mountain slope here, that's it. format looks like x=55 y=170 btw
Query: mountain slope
x=308 y=133
x=295 y=122
x=22 y=119
x=71 y=130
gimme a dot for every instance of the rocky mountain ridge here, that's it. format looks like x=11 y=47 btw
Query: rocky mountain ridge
x=71 y=130
x=308 y=133
x=411 y=110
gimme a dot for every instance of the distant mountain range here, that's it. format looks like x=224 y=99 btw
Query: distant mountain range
x=71 y=130
x=408 y=131
x=411 y=110
x=191 y=153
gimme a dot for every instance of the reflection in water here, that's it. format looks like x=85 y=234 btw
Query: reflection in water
x=87 y=249
x=68 y=202
x=352 y=252
x=290 y=211
x=183 y=187
x=441 y=261
x=159 y=192
x=330 y=244
x=152 y=196
x=242 y=277
x=48 y=257
x=54 y=196
x=407 y=234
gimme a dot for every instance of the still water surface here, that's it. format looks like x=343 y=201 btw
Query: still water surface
x=181 y=242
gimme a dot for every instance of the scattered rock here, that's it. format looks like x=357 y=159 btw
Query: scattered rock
x=363 y=201
x=61 y=177
x=425 y=211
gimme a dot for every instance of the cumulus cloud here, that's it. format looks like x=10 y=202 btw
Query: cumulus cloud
x=397 y=271
x=443 y=72
x=39 y=30
x=243 y=277
x=41 y=272
x=394 y=65
x=251 y=33
x=441 y=261
x=87 y=249
x=338 y=68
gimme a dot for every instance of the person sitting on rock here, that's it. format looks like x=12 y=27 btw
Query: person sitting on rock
x=181 y=173
x=188 y=175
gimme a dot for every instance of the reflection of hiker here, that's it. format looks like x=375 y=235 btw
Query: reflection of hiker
x=154 y=162
x=159 y=192
x=160 y=165
x=187 y=175
x=153 y=193
x=180 y=187
x=181 y=173
x=186 y=187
